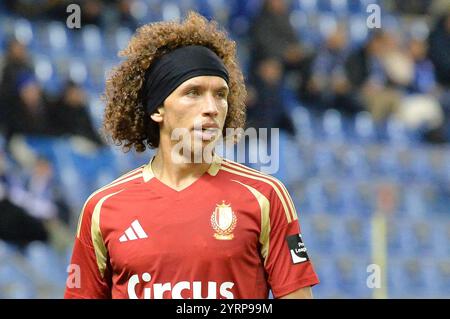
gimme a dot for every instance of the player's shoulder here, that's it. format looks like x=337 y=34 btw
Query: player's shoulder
x=122 y=182
x=265 y=183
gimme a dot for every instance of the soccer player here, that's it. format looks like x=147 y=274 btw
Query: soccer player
x=185 y=229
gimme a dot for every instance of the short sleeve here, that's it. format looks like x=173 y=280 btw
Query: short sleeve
x=86 y=280
x=287 y=263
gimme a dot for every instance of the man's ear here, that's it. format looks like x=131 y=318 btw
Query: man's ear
x=158 y=115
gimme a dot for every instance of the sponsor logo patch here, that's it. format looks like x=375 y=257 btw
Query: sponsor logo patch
x=297 y=249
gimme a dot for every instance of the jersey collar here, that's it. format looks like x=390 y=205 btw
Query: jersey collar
x=212 y=170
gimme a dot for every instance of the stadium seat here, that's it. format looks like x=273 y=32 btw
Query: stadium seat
x=354 y=6
x=328 y=287
x=57 y=38
x=46 y=264
x=47 y=75
x=351 y=275
x=310 y=6
x=339 y=7
x=328 y=23
x=332 y=126
x=356 y=233
x=355 y=164
x=315 y=196
x=443 y=278
x=415 y=276
x=122 y=36
x=78 y=71
x=321 y=233
x=15 y=284
x=23 y=31
x=92 y=41
x=364 y=128
x=357 y=30
x=302 y=120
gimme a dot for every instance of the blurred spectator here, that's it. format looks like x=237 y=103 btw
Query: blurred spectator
x=424 y=80
x=439 y=48
x=272 y=36
x=91 y=12
x=366 y=70
x=16 y=67
x=70 y=116
x=125 y=18
x=41 y=9
x=265 y=106
x=421 y=110
x=16 y=225
x=31 y=110
x=328 y=86
x=411 y=6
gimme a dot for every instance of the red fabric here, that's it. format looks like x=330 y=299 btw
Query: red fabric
x=181 y=257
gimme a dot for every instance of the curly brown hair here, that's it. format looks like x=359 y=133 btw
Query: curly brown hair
x=126 y=120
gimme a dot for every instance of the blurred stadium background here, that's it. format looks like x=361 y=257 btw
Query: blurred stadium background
x=363 y=113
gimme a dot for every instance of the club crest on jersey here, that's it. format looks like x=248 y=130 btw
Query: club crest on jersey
x=223 y=221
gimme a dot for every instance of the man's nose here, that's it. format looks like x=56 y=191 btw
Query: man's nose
x=210 y=105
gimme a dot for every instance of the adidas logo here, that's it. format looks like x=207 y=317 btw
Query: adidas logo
x=134 y=232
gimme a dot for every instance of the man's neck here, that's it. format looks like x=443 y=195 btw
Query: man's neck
x=176 y=175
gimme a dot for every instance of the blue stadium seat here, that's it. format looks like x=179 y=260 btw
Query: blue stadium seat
x=68 y=174
x=321 y=236
x=46 y=74
x=412 y=201
x=416 y=166
x=170 y=11
x=349 y=198
x=364 y=127
x=355 y=164
x=23 y=31
x=46 y=263
x=443 y=278
x=315 y=199
x=78 y=71
x=421 y=241
x=397 y=239
x=310 y=6
x=340 y=7
x=57 y=37
x=327 y=24
x=328 y=287
x=441 y=231
x=96 y=74
x=332 y=126
x=91 y=38
x=351 y=276
x=290 y=171
x=387 y=163
x=302 y=120
x=121 y=38
x=324 y=161
x=356 y=233
x=395 y=279
x=15 y=284
x=355 y=6
x=357 y=30
x=41 y=146
x=416 y=278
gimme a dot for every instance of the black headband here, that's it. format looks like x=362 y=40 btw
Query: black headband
x=175 y=67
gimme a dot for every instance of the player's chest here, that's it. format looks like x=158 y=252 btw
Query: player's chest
x=217 y=229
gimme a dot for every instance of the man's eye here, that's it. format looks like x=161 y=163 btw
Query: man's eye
x=222 y=95
x=193 y=92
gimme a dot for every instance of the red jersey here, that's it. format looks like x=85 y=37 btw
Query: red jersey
x=233 y=233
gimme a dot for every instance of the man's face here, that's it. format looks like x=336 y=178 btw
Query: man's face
x=198 y=106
